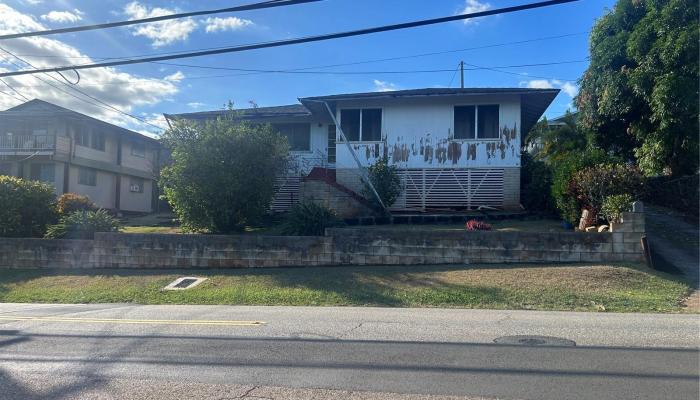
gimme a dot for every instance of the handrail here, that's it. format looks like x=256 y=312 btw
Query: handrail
x=27 y=142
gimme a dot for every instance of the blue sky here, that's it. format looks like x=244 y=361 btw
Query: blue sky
x=148 y=90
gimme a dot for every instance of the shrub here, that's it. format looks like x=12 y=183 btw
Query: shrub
x=223 y=173
x=83 y=225
x=310 y=219
x=593 y=185
x=69 y=203
x=26 y=207
x=563 y=170
x=615 y=205
x=535 y=184
x=386 y=182
x=476 y=225
x=681 y=194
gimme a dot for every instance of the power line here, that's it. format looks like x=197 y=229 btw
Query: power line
x=253 y=6
x=305 y=72
x=105 y=105
x=306 y=39
x=14 y=90
x=453 y=75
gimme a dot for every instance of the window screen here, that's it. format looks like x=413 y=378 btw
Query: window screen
x=42 y=172
x=464 y=122
x=488 y=122
x=350 y=124
x=371 y=124
x=87 y=176
x=82 y=136
x=98 y=141
x=138 y=149
x=298 y=135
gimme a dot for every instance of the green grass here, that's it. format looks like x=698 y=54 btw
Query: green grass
x=572 y=287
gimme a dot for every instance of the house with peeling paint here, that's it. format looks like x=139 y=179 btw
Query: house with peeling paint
x=455 y=149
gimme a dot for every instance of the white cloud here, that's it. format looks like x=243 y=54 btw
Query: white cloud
x=474 y=6
x=121 y=90
x=226 y=24
x=567 y=87
x=195 y=105
x=176 y=77
x=384 y=86
x=163 y=32
x=63 y=16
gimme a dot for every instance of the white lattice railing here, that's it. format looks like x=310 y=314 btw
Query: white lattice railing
x=27 y=142
x=450 y=189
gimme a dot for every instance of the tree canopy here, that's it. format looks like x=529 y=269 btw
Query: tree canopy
x=639 y=96
x=223 y=172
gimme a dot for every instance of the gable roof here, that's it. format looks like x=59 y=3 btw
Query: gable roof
x=38 y=107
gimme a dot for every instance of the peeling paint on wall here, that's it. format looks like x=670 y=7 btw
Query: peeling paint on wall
x=454 y=152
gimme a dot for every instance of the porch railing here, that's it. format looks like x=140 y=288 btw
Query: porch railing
x=27 y=142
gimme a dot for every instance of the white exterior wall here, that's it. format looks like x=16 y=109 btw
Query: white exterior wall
x=102 y=194
x=146 y=163
x=418 y=134
x=134 y=201
x=317 y=156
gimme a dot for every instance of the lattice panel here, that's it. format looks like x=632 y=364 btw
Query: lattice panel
x=450 y=189
x=286 y=193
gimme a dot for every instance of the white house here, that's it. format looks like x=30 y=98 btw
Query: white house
x=455 y=149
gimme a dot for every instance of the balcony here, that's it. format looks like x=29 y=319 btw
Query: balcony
x=33 y=144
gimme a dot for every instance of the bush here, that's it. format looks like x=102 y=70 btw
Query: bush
x=223 y=173
x=615 y=205
x=69 y=203
x=476 y=225
x=310 y=219
x=83 y=225
x=593 y=185
x=26 y=207
x=535 y=186
x=681 y=194
x=563 y=170
x=386 y=182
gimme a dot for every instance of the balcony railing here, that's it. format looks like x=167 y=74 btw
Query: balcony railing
x=17 y=143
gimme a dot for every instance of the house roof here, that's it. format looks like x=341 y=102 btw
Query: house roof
x=38 y=107
x=534 y=103
x=291 y=111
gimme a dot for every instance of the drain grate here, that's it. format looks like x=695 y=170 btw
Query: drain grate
x=534 y=340
x=187 y=282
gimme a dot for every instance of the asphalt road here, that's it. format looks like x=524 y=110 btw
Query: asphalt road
x=127 y=351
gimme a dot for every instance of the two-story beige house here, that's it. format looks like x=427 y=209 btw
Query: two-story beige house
x=76 y=153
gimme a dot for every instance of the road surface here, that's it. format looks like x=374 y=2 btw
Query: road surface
x=129 y=351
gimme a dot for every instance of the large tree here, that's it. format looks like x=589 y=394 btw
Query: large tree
x=639 y=95
x=222 y=173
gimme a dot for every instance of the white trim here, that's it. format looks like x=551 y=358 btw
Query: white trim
x=381 y=127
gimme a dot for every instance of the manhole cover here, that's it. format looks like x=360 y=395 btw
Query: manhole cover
x=534 y=340
x=187 y=282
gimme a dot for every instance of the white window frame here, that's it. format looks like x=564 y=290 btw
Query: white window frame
x=131 y=147
x=340 y=124
x=476 y=123
x=86 y=169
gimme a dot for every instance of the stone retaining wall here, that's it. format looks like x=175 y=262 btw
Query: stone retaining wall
x=340 y=246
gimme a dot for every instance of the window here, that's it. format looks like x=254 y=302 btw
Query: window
x=331 y=144
x=98 y=141
x=362 y=125
x=87 y=176
x=42 y=172
x=465 y=128
x=298 y=135
x=6 y=169
x=488 y=122
x=350 y=124
x=476 y=122
x=138 y=149
x=136 y=185
x=82 y=136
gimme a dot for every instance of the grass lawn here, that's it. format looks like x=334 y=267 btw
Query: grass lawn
x=570 y=287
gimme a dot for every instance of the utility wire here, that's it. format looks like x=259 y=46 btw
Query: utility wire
x=14 y=90
x=253 y=6
x=449 y=85
x=306 y=39
x=104 y=104
x=304 y=72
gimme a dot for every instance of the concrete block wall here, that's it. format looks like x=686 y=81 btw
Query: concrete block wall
x=340 y=246
x=341 y=202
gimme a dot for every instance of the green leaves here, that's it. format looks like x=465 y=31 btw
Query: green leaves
x=26 y=207
x=386 y=182
x=223 y=173
x=639 y=95
x=83 y=225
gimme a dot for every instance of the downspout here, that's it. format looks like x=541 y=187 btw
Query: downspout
x=363 y=171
